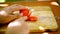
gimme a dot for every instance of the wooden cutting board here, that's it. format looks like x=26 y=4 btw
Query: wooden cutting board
x=46 y=19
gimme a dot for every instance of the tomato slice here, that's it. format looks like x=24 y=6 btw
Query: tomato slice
x=32 y=18
x=25 y=12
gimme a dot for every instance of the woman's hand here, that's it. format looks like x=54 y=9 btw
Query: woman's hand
x=18 y=26
x=6 y=14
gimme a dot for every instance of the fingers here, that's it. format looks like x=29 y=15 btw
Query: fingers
x=9 y=10
x=14 y=7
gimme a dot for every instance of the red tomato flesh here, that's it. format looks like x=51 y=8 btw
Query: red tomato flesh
x=25 y=12
x=32 y=18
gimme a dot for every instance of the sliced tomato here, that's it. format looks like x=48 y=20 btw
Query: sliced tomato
x=25 y=12
x=32 y=18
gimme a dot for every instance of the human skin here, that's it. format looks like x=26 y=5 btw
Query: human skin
x=6 y=15
x=18 y=26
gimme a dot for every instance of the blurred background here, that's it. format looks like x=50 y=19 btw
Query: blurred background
x=3 y=2
x=26 y=0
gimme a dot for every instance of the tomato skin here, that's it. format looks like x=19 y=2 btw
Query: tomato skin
x=25 y=12
x=32 y=18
